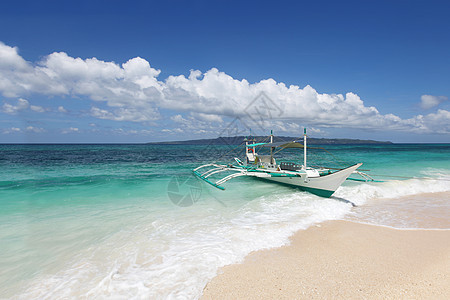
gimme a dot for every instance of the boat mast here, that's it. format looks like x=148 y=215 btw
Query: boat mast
x=304 y=148
x=271 y=148
x=246 y=146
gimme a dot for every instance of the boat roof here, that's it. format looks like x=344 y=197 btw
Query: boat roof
x=257 y=144
x=291 y=144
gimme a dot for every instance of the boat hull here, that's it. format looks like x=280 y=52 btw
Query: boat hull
x=323 y=186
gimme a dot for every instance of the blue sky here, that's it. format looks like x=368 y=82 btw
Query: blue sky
x=124 y=71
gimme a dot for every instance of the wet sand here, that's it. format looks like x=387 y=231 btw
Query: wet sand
x=343 y=260
x=425 y=211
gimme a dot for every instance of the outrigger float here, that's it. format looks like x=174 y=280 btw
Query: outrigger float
x=319 y=181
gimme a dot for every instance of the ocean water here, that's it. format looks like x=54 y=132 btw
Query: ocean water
x=131 y=222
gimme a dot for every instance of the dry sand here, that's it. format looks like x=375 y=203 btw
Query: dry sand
x=343 y=260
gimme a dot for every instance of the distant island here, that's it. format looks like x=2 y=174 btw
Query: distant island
x=237 y=140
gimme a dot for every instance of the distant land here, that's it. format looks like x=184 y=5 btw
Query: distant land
x=237 y=140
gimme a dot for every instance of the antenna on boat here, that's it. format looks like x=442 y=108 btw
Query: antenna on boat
x=304 y=148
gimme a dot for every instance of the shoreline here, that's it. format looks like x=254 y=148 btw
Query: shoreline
x=343 y=259
x=422 y=211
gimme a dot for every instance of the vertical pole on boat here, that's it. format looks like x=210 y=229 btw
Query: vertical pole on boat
x=271 y=148
x=304 y=148
x=246 y=150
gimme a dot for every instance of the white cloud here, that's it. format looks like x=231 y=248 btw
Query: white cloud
x=193 y=124
x=70 y=130
x=121 y=131
x=9 y=58
x=131 y=86
x=438 y=122
x=61 y=109
x=19 y=77
x=101 y=113
x=35 y=129
x=316 y=131
x=36 y=108
x=429 y=101
x=173 y=131
x=132 y=114
x=21 y=105
x=103 y=81
x=132 y=92
x=179 y=119
x=207 y=117
x=11 y=130
x=146 y=131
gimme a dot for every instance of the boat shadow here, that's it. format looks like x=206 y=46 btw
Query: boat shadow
x=343 y=200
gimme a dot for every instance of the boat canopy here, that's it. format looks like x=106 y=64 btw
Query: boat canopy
x=257 y=144
x=293 y=144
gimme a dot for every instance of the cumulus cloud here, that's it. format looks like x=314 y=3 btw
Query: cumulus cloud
x=37 y=108
x=33 y=129
x=131 y=86
x=11 y=130
x=70 y=130
x=132 y=114
x=207 y=117
x=429 y=101
x=19 y=77
x=21 y=105
x=172 y=131
x=438 y=122
x=121 y=131
x=132 y=92
x=28 y=129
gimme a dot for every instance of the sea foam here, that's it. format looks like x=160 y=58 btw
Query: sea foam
x=174 y=255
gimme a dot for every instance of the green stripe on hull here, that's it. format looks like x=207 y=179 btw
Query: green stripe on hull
x=364 y=180
x=318 y=192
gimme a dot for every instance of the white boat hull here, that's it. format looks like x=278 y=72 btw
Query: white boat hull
x=323 y=186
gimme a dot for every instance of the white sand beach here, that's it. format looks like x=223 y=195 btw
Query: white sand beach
x=343 y=260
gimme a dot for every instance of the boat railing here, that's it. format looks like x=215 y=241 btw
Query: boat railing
x=290 y=166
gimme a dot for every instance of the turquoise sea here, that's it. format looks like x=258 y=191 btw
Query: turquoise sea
x=131 y=222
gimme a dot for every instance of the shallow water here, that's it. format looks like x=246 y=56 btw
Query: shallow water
x=130 y=221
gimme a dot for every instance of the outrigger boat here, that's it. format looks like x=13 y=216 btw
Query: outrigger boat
x=319 y=181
